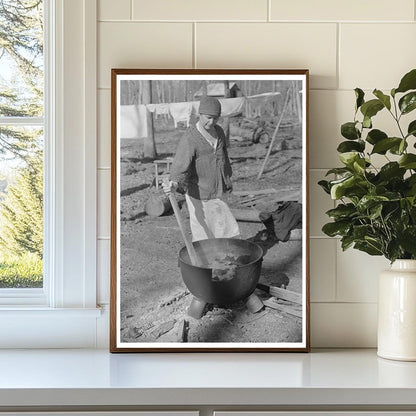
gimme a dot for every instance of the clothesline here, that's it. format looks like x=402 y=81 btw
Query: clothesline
x=134 y=117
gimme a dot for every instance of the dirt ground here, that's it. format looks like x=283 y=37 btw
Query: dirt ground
x=154 y=299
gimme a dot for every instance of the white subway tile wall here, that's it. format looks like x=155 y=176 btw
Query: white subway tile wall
x=104 y=202
x=142 y=45
x=201 y=10
x=270 y=45
x=103 y=270
x=353 y=10
x=104 y=128
x=323 y=269
x=357 y=275
x=338 y=325
x=114 y=10
x=344 y=44
x=366 y=51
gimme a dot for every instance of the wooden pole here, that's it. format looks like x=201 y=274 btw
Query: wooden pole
x=149 y=141
x=299 y=104
x=204 y=88
x=226 y=121
x=189 y=246
x=274 y=135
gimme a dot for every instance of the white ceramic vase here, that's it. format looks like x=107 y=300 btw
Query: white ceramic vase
x=397 y=312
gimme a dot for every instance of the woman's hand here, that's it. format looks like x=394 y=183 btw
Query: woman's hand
x=169 y=186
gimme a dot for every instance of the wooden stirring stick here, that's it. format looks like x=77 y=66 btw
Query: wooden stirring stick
x=189 y=246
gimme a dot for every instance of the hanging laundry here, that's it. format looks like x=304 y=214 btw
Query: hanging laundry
x=151 y=107
x=158 y=109
x=195 y=107
x=231 y=106
x=181 y=112
x=133 y=121
x=162 y=109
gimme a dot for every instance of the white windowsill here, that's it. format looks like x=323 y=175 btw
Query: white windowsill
x=36 y=312
x=41 y=327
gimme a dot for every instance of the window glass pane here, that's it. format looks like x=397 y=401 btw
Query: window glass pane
x=21 y=211
x=21 y=58
x=21 y=145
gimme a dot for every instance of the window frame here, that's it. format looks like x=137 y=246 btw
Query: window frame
x=39 y=296
x=69 y=294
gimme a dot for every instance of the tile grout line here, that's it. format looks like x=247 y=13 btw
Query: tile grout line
x=349 y=302
x=308 y=22
x=269 y=11
x=338 y=63
x=194 y=63
x=131 y=9
x=336 y=271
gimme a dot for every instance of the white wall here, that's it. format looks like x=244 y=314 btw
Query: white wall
x=345 y=44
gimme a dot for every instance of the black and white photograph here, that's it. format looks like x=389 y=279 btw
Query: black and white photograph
x=209 y=210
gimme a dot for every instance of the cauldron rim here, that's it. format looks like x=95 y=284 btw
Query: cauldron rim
x=259 y=257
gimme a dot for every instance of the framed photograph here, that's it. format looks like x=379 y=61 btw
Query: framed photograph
x=209 y=211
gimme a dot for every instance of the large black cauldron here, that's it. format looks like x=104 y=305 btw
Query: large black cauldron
x=200 y=280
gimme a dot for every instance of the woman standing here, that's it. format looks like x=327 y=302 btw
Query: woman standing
x=201 y=169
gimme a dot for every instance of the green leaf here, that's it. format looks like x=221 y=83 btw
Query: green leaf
x=407 y=239
x=375 y=135
x=338 y=189
x=383 y=145
x=408 y=102
x=359 y=95
x=411 y=186
x=349 y=131
x=408 y=82
x=371 y=108
x=369 y=201
x=348 y=158
x=349 y=146
x=391 y=212
x=391 y=170
x=353 y=188
x=359 y=232
x=375 y=211
x=359 y=165
x=367 y=122
x=338 y=171
x=336 y=228
x=394 y=251
x=398 y=149
x=368 y=248
x=325 y=186
x=408 y=161
x=342 y=211
x=346 y=242
x=385 y=99
x=411 y=130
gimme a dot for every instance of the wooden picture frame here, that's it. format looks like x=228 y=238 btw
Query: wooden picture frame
x=239 y=294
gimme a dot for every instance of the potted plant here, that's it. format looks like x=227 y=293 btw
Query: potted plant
x=376 y=209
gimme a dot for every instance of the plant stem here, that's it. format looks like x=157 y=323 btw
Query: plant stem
x=397 y=118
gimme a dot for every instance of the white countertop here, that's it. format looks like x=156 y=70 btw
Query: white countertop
x=96 y=377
